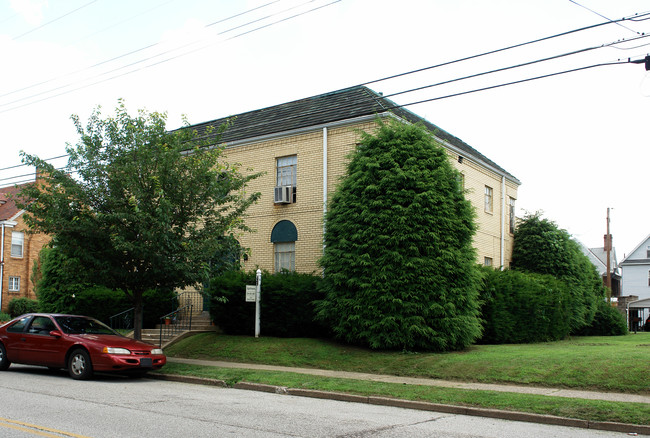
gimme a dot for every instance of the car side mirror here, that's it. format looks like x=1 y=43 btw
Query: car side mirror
x=56 y=333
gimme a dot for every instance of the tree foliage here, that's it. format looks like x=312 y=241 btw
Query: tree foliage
x=398 y=261
x=541 y=247
x=57 y=279
x=522 y=307
x=138 y=206
x=608 y=321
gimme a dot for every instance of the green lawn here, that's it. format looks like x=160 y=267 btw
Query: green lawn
x=620 y=363
x=599 y=363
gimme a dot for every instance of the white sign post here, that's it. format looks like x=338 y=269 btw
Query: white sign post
x=257 y=302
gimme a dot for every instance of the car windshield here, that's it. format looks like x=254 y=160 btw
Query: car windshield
x=75 y=325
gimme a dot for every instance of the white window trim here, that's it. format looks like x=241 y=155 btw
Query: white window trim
x=14 y=284
x=290 y=177
x=21 y=244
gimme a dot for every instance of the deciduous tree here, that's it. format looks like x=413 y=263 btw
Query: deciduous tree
x=138 y=206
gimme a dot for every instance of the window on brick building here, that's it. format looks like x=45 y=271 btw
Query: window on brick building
x=489 y=202
x=285 y=256
x=487 y=261
x=283 y=237
x=286 y=172
x=17 y=243
x=14 y=284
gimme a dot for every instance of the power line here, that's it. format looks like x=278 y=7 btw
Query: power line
x=27 y=87
x=46 y=159
x=602 y=16
x=633 y=18
x=148 y=58
x=514 y=46
x=456 y=80
x=512 y=83
x=52 y=21
x=462 y=93
x=498 y=70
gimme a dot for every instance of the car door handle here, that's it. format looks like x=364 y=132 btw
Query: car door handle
x=23 y=339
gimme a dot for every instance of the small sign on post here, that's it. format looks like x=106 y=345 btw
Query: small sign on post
x=251 y=293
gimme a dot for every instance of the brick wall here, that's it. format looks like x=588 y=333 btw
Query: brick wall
x=21 y=266
x=307 y=213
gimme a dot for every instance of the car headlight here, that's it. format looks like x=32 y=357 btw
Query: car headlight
x=157 y=351
x=115 y=350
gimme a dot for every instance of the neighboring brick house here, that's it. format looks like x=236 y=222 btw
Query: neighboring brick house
x=18 y=250
x=303 y=147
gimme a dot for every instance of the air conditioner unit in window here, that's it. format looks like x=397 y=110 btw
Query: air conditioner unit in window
x=283 y=195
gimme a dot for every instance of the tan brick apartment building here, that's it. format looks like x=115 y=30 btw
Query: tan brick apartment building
x=302 y=147
x=18 y=250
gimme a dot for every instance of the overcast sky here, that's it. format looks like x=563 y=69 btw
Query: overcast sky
x=577 y=141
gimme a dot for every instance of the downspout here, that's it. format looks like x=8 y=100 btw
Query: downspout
x=324 y=183
x=2 y=263
x=503 y=220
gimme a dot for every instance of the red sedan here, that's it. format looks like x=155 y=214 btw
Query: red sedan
x=79 y=343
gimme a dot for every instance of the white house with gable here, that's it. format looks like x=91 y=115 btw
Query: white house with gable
x=636 y=271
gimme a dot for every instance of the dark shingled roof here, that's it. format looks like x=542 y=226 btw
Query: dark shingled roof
x=8 y=207
x=326 y=108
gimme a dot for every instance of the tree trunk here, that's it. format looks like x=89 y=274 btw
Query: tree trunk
x=137 y=315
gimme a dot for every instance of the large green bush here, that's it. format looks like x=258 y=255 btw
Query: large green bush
x=608 y=321
x=286 y=308
x=63 y=286
x=58 y=279
x=541 y=247
x=19 y=306
x=399 y=262
x=521 y=307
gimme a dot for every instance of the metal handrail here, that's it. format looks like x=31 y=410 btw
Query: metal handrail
x=175 y=322
x=123 y=320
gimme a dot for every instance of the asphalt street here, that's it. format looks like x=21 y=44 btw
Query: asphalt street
x=39 y=402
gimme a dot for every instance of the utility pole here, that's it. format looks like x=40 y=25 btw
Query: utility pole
x=608 y=250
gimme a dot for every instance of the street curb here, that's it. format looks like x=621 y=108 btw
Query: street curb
x=417 y=405
x=188 y=379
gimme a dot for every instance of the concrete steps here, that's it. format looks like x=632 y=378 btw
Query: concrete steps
x=200 y=322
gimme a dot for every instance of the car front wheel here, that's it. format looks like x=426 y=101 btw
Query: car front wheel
x=79 y=365
x=4 y=362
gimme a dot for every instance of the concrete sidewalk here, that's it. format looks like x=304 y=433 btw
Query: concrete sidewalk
x=555 y=392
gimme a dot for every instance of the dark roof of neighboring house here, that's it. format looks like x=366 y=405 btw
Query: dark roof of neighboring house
x=326 y=108
x=8 y=208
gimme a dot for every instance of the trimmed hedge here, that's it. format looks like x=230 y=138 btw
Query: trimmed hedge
x=608 y=321
x=286 y=308
x=20 y=306
x=521 y=307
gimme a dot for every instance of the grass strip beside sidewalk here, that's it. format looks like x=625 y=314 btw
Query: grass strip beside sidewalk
x=590 y=410
x=616 y=363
